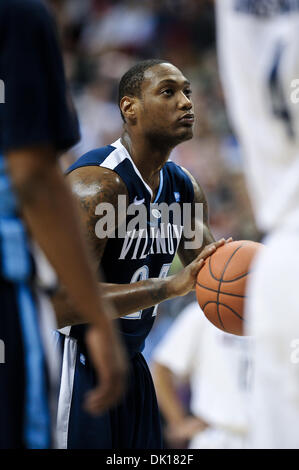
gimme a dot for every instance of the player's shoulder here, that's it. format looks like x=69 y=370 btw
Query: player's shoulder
x=93 y=158
x=87 y=176
x=198 y=192
x=29 y=11
x=30 y=19
x=176 y=169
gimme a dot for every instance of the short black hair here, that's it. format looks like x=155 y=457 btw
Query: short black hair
x=130 y=83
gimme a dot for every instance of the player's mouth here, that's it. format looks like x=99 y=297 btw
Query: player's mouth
x=187 y=118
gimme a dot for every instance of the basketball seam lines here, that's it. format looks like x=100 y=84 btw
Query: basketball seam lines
x=220 y=280
x=224 y=293
x=217 y=303
x=231 y=280
x=224 y=305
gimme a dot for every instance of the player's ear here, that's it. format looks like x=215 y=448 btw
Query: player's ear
x=128 y=108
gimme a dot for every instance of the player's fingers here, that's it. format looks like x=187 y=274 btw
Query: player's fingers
x=220 y=242
x=98 y=400
x=207 y=251
x=196 y=268
x=210 y=249
x=198 y=264
x=108 y=393
x=95 y=403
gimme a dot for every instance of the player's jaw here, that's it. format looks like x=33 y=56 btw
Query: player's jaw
x=169 y=126
x=181 y=128
x=169 y=135
x=185 y=124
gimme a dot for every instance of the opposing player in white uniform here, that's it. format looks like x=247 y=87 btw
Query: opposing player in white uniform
x=259 y=62
x=218 y=367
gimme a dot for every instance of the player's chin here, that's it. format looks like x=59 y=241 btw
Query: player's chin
x=185 y=133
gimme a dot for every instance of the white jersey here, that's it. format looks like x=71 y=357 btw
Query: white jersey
x=272 y=318
x=259 y=64
x=217 y=364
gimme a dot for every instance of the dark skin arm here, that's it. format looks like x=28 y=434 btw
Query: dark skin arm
x=94 y=185
x=180 y=426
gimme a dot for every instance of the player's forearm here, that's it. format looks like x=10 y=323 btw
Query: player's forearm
x=169 y=403
x=129 y=298
x=125 y=298
x=48 y=208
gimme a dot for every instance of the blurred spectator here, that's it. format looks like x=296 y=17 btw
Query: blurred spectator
x=100 y=120
x=217 y=366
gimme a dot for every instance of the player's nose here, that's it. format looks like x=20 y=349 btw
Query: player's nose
x=184 y=102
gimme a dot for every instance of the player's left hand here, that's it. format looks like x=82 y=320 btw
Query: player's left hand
x=110 y=362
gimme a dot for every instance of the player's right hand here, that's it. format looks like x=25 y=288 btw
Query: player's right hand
x=110 y=362
x=185 y=280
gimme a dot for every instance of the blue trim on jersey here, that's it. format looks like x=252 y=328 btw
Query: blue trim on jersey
x=92 y=158
x=37 y=434
x=160 y=186
x=8 y=200
x=178 y=177
x=15 y=263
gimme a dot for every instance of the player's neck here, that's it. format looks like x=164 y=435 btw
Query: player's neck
x=148 y=158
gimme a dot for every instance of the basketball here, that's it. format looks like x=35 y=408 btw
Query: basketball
x=221 y=284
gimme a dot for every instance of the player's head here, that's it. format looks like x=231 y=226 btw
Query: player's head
x=154 y=96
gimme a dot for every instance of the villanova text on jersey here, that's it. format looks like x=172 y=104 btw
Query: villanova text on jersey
x=152 y=229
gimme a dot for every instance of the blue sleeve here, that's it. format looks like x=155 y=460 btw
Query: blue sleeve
x=38 y=107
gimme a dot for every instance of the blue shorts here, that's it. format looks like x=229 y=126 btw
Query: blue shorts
x=24 y=414
x=12 y=379
x=133 y=424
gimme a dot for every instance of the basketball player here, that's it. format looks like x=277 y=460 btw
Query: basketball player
x=258 y=53
x=36 y=124
x=217 y=366
x=155 y=103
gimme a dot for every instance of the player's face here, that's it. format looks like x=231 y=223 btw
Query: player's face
x=166 y=110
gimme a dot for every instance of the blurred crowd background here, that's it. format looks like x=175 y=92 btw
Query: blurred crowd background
x=101 y=40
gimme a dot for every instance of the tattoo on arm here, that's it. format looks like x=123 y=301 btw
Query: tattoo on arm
x=92 y=186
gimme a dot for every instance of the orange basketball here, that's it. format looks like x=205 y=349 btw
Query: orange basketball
x=221 y=284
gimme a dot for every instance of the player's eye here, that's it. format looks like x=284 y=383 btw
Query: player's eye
x=168 y=92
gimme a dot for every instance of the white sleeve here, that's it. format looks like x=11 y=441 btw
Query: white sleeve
x=179 y=346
